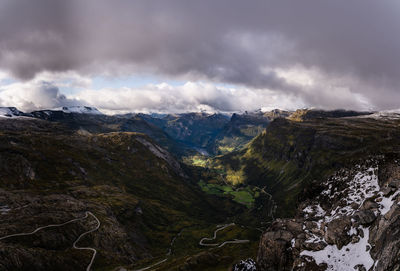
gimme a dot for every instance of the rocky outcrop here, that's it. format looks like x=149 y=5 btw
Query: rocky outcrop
x=275 y=251
x=353 y=224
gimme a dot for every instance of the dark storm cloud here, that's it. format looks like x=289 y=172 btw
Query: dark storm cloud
x=240 y=42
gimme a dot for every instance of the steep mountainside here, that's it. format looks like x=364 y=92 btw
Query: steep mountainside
x=291 y=156
x=241 y=129
x=214 y=133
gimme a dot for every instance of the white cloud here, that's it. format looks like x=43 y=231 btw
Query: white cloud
x=314 y=89
x=192 y=96
x=33 y=95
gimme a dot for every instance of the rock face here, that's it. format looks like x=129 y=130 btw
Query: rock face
x=275 y=252
x=353 y=224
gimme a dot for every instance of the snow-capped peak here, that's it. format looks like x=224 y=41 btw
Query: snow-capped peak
x=81 y=110
x=10 y=112
x=386 y=114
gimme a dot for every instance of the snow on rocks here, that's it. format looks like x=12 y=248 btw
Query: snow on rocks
x=387 y=202
x=346 y=246
x=363 y=185
x=11 y=112
x=349 y=257
x=4 y=209
x=245 y=265
x=81 y=110
x=315 y=210
x=350 y=225
x=387 y=114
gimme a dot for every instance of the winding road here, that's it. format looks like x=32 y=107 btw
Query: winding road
x=44 y=227
x=155 y=264
x=220 y=228
x=88 y=248
x=168 y=253
x=62 y=224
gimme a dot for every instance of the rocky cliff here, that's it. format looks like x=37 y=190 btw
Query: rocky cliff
x=350 y=224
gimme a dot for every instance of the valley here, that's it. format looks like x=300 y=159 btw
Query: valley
x=88 y=191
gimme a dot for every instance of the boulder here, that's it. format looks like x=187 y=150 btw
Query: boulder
x=395 y=183
x=369 y=204
x=337 y=232
x=365 y=217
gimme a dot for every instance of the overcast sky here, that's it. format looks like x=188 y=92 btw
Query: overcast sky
x=222 y=55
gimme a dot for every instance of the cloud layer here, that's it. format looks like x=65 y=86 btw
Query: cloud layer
x=34 y=95
x=353 y=46
x=43 y=93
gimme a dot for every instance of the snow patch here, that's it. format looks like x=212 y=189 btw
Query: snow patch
x=10 y=112
x=245 y=265
x=387 y=114
x=362 y=186
x=346 y=258
x=4 y=209
x=387 y=202
x=81 y=110
x=314 y=209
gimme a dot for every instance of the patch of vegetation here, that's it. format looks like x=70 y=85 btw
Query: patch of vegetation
x=244 y=195
x=197 y=160
x=225 y=149
x=235 y=177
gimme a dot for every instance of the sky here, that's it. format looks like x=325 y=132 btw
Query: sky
x=180 y=56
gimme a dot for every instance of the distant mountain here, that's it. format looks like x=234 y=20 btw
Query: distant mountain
x=197 y=130
x=81 y=110
x=99 y=123
x=307 y=114
x=242 y=128
x=214 y=133
x=14 y=112
x=10 y=112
